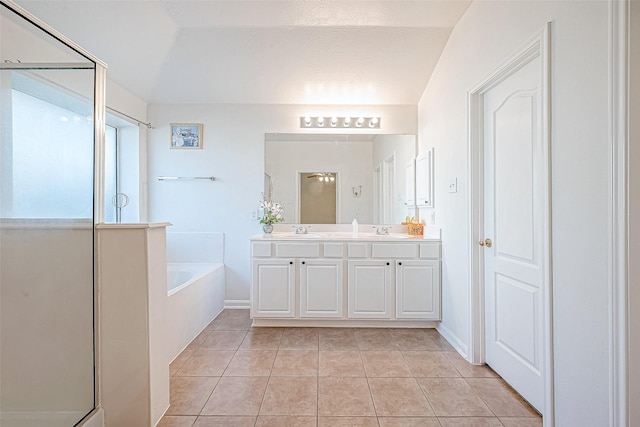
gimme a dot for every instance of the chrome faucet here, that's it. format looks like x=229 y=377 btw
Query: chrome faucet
x=383 y=230
x=301 y=229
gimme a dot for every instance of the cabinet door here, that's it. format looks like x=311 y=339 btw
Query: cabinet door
x=273 y=288
x=370 y=289
x=410 y=184
x=321 y=288
x=424 y=180
x=418 y=289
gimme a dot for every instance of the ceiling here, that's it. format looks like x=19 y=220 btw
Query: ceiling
x=261 y=51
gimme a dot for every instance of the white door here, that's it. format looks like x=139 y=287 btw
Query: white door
x=321 y=288
x=418 y=289
x=273 y=288
x=514 y=204
x=369 y=289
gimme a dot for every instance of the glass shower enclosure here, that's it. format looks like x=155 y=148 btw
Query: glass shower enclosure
x=51 y=124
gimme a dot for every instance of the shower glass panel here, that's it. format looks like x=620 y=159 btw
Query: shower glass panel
x=47 y=124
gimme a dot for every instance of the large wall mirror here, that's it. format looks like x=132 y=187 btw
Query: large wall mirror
x=332 y=178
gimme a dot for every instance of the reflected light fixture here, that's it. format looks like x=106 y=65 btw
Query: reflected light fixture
x=339 y=121
x=323 y=176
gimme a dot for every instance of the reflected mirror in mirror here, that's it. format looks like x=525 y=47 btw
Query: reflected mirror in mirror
x=369 y=172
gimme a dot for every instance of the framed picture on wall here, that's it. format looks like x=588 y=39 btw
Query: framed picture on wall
x=186 y=136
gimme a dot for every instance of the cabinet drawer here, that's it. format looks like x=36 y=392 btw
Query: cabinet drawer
x=260 y=249
x=333 y=250
x=430 y=250
x=358 y=250
x=394 y=250
x=298 y=250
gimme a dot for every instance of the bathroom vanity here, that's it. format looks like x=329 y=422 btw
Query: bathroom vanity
x=338 y=279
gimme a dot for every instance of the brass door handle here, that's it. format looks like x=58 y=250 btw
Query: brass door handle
x=486 y=242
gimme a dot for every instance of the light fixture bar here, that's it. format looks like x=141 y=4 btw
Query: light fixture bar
x=337 y=122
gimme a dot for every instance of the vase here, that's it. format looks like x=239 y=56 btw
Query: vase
x=267 y=228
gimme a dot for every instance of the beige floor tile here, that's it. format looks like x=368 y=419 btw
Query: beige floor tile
x=399 y=397
x=299 y=339
x=344 y=396
x=285 y=421
x=223 y=340
x=256 y=363
x=236 y=396
x=197 y=341
x=213 y=324
x=429 y=364
x=337 y=339
x=470 y=422
x=225 y=421
x=340 y=364
x=374 y=339
x=179 y=361
x=206 y=362
x=290 y=396
x=262 y=339
x=239 y=313
x=500 y=398
x=468 y=370
x=176 y=421
x=295 y=363
x=385 y=364
x=347 y=422
x=521 y=422
x=408 y=422
x=453 y=397
x=189 y=394
x=234 y=323
x=419 y=339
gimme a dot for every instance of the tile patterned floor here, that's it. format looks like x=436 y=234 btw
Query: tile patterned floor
x=235 y=375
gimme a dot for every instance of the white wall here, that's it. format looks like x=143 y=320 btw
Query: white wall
x=233 y=152
x=483 y=39
x=351 y=160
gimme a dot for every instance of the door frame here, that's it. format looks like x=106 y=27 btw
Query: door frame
x=537 y=46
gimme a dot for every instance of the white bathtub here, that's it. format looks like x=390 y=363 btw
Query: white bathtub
x=196 y=296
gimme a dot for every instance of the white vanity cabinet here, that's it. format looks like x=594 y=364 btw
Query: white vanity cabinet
x=364 y=281
x=418 y=289
x=273 y=288
x=321 y=288
x=370 y=289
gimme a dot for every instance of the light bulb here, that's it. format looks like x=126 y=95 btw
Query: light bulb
x=332 y=178
x=334 y=121
x=360 y=121
x=373 y=122
x=307 y=120
x=320 y=121
x=320 y=178
x=326 y=179
x=347 y=121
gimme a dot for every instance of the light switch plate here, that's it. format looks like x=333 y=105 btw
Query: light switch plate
x=453 y=185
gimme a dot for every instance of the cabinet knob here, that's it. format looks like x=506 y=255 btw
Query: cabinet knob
x=387 y=263
x=290 y=262
x=399 y=263
x=303 y=262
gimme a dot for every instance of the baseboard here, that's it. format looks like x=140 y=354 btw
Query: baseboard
x=237 y=303
x=459 y=346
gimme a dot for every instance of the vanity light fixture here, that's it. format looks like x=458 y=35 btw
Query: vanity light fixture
x=337 y=121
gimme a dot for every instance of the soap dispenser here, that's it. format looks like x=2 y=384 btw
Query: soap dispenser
x=354 y=227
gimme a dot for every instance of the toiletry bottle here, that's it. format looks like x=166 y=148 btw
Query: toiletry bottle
x=354 y=227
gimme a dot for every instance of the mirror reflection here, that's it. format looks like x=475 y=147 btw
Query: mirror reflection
x=333 y=178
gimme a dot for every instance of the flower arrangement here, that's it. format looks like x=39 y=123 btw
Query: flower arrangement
x=271 y=212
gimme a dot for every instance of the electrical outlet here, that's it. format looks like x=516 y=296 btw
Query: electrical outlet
x=453 y=185
x=432 y=217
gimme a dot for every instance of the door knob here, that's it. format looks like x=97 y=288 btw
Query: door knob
x=486 y=242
